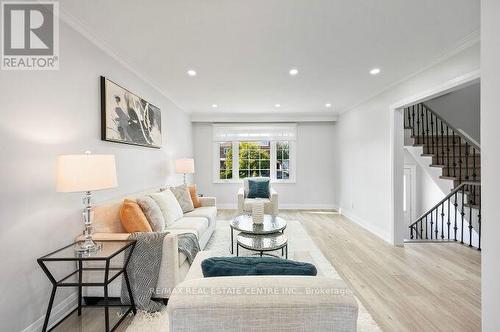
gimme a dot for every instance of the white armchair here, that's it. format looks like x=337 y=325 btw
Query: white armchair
x=245 y=203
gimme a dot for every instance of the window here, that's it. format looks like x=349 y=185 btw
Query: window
x=282 y=160
x=225 y=160
x=249 y=150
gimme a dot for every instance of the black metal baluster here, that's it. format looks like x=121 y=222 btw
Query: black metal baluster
x=411 y=232
x=470 y=225
x=448 y=223
x=466 y=161
x=474 y=173
x=455 y=228
x=422 y=228
x=442 y=144
x=454 y=157
x=479 y=226
x=413 y=121
x=436 y=231
x=460 y=161
x=432 y=135
x=437 y=139
x=448 y=152
x=426 y=126
x=432 y=223
x=442 y=221
x=418 y=124
x=407 y=110
x=462 y=213
x=426 y=226
x=422 y=121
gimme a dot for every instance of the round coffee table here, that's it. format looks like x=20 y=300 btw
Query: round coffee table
x=245 y=225
x=262 y=243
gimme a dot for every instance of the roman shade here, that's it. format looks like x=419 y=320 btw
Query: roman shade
x=254 y=132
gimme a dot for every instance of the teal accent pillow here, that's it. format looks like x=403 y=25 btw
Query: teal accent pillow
x=254 y=266
x=258 y=188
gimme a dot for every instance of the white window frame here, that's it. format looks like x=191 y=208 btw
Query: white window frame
x=236 y=153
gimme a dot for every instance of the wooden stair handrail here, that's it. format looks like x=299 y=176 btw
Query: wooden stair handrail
x=455 y=130
x=447 y=197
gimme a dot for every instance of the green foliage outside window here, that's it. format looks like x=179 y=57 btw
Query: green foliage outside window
x=254 y=159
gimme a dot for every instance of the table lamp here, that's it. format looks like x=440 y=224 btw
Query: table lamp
x=86 y=173
x=184 y=166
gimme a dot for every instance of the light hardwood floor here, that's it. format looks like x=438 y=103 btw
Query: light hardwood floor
x=419 y=287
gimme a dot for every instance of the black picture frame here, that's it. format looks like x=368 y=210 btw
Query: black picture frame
x=133 y=120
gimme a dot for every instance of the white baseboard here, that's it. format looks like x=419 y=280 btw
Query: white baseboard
x=287 y=206
x=58 y=312
x=384 y=235
x=308 y=206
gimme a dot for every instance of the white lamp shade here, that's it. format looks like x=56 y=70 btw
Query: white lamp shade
x=184 y=166
x=85 y=172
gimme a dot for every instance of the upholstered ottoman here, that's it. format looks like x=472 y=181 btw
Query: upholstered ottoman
x=260 y=303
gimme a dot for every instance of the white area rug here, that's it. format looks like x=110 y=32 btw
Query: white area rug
x=300 y=247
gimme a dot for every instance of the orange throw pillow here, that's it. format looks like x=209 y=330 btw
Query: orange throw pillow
x=194 y=196
x=132 y=217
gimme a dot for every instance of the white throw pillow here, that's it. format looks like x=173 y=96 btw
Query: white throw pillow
x=169 y=206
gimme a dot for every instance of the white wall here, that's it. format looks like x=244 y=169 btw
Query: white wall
x=490 y=164
x=428 y=192
x=315 y=159
x=58 y=112
x=364 y=186
x=460 y=109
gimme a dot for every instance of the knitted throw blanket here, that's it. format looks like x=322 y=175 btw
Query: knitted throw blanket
x=143 y=270
x=144 y=267
x=188 y=245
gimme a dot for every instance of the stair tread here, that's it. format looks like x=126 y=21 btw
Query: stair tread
x=451 y=166
x=456 y=178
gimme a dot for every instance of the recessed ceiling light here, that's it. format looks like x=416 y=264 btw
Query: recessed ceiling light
x=191 y=72
x=375 y=71
x=215 y=105
x=277 y=105
x=328 y=105
x=293 y=71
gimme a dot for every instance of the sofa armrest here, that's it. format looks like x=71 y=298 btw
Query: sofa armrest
x=274 y=200
x=169 y=275
x=208 y=201
x=273 y=194
x=241 y=199
x=306 y=303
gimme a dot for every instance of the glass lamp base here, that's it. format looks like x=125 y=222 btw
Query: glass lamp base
x=88 y=246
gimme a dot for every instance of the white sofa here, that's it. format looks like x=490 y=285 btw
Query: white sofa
x=245 y=203
x=174 y=265
x=260 y=303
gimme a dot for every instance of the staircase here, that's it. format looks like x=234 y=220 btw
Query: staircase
x=457 y=217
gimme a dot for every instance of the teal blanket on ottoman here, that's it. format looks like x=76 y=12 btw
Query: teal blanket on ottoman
x=254 y=266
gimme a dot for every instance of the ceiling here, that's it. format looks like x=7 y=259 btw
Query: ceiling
x=242 y=50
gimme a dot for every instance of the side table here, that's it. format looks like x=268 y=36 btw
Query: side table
x=77 y=278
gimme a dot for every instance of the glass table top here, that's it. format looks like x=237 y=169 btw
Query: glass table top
x=262 y=242
x=271 y=224
x=108 y=249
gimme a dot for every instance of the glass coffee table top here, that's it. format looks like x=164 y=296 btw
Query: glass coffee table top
x=267 y=242
x=271 y=224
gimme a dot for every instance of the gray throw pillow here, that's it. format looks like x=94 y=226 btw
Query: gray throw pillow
x=152 y=212
x=183 y=197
